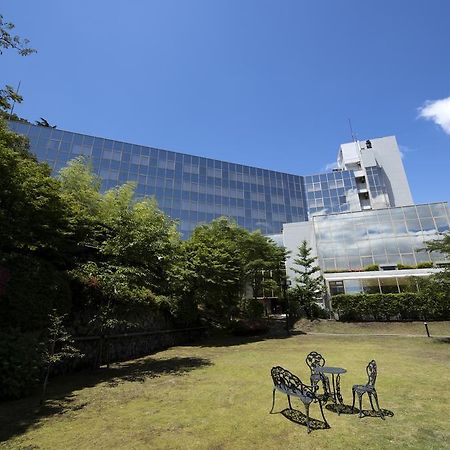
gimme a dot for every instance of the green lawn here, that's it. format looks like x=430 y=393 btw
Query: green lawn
x=217 y=395
x=411 y=328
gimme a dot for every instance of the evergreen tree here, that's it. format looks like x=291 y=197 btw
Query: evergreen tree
x=309 y=284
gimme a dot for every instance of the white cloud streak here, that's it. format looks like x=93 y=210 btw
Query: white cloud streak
x=330 y=166
x=437 y=111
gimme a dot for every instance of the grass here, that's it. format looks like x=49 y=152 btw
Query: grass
x=217 y=395
x=403 y=328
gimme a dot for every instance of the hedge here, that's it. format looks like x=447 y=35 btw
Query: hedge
x=385 y=307
x=20 y=364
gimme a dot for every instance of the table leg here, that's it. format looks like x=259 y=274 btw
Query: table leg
x=334 y=388
x=338 y=393
x=338 y=389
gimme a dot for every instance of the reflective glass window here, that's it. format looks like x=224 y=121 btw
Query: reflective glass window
x=389 y=285
x=370 y=286
x=352 y=286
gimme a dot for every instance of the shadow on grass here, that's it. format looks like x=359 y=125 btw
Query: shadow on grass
x=227 y=340
x=230 y=341
x=19 y=415
x=347 y=409
x=442 y=340
x=300 y=418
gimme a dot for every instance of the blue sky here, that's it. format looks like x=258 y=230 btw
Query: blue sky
x=264 y=83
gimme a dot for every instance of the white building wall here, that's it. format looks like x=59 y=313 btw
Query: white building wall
x=387 y=156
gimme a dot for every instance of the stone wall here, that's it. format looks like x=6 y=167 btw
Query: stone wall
x=98 y=351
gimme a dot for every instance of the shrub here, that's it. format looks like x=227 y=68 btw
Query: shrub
x=372 y=268
x=405 y=266
x=249 y=327
x=382 y=307
x=424 y=265
x=251 y=308
x=20 y=364
x=32 y=289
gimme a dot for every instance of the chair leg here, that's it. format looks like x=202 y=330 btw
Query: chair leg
x=360 y=404
x=323 y=417
x=378 y=406
x=273 y=401
x=289 y=401
x=307 y=416
x=353 y=404
x=371 y=402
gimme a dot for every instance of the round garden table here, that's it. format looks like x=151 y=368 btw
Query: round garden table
x=336 y=373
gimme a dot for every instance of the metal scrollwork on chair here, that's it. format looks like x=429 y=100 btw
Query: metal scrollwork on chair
x=313 y=360
x=289 y=384
x=368 y=388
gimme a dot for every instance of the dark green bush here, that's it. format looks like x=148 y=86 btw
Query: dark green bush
x=32 y=289
x=249 y=327
x=372 y=268
x=20 y=364
x=424 y=265
x=251 y=308
x=384 y=307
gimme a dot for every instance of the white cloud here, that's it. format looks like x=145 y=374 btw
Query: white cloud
x=330 y=166
x=404 y=149
x=438 y=111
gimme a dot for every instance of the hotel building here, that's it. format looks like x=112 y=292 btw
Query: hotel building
x=356 y=216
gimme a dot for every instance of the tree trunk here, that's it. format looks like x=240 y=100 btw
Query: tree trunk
x=44 y=387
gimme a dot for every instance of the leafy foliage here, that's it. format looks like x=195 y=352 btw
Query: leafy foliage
x=216 y=264
x=33 y=216
x=8 y=96
x=60 y=346
x=438 y=285
x=9 y=41
x=20 y=363
x=426 y=304
x=12 y=41
x=32 y=288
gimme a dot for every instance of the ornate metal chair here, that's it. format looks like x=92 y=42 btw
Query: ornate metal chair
x=289 y=384
x=369 y=387
x=313 y=360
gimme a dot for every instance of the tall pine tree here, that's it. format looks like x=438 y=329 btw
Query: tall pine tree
x=309 y=284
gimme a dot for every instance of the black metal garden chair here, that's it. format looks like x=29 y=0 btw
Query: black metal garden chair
x=368 y=388
x=313 y=360
x=289 y=384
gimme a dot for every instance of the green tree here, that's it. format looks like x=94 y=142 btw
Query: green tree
x=59 y=346
x=131 y=246
x=10 y=41
x=13 y=41
x=309 y=284
x=438 y=285
x=212 y=262
x=80 y=188
x=218 y=262
x=33 y=216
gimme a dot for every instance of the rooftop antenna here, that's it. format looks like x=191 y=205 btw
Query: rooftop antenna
x=14 y=102
x=351 y=130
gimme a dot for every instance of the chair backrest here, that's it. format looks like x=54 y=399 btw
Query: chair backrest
x=314 y=360
x=290 y=383
x=371 y=370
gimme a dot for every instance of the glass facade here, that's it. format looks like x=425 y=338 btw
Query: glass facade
x=378 y=285
x=377 y=186
x=352 y=241
x=332 y=192
x=189 y=188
